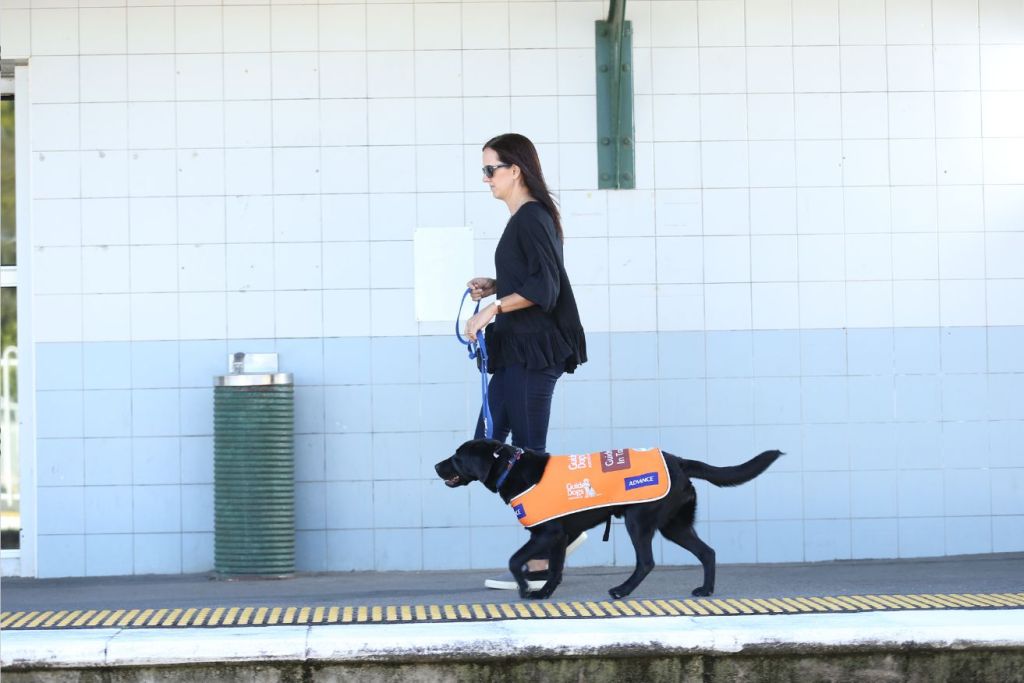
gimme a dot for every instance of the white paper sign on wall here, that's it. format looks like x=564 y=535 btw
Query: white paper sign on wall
x=443 y=259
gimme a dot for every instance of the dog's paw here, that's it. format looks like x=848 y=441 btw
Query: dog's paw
x=618 y=592
x=701 y=592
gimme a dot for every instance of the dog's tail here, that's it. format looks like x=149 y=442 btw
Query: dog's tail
x=730 y=476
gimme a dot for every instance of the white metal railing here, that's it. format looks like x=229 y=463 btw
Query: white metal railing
x=11 y=490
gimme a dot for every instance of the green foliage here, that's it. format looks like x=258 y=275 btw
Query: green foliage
x=8 y=224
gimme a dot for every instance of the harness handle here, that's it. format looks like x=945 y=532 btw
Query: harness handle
x=477 y=351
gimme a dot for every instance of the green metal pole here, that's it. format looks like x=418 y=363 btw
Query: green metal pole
x=615 y=100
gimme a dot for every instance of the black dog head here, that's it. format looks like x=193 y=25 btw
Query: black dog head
x=473 y=461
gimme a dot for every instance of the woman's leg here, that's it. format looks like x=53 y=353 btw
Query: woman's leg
x=528 y=395
x=520 y=401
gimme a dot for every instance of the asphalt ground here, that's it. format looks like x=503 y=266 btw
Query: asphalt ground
x=990 y=573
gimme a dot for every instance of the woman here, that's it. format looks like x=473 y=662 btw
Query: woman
x=536 y=334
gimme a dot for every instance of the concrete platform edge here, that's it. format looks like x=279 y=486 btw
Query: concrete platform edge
x=469 y=642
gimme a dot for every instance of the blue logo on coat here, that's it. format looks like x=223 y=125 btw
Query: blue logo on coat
x=520 y=512
x=641 y=480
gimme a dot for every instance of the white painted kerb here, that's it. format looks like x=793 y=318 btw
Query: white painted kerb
x=954 y=629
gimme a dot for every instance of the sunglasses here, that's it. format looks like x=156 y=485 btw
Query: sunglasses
x=489 y=170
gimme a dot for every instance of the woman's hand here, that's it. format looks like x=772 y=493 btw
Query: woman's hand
x=479 y=287
x=479 y=321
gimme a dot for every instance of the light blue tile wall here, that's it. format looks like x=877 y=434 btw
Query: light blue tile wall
x=108 y=413
x=311 y=550
x=156 y=460
x=157 y=553
x=108 y=509
x=968 y=535
x=200 y=361
x=1004 y=349
x=154 y=412
x=60 y=462
x=346 y=361
x=1007 y=531
x=59 y=414
x=1004 y=392
x=108 y=461
x=108 y=554
x=61 y=509
x=827 y=539
x=59 y=366
x=598 y=365
x=350 y=550
x=777 y=400
x=154 y=365
x=729 y=354
x=964 y=350
x=310 y=462
x=60 y=555
x=870 y=398
x=634 y=355
x=873 y=494
x=776 y=353
x=874 y=538
x=197 y=508
x=394 y=360
x=916 y=350
x=445 y=548
x=156 y=509
x=196 y=552
x=107 y=365
x=921 y=536
x=823 y=352
x=780 y=540
x=904 y=442
x=730 y=400
x=870 y=352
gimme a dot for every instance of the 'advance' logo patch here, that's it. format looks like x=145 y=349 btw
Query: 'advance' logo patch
x=641 y=480
x=520 y=512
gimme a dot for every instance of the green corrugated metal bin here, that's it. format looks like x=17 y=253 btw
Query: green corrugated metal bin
x=254 y=475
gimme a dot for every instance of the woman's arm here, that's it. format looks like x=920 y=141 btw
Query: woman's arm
x=509 y=303
x=480 y=287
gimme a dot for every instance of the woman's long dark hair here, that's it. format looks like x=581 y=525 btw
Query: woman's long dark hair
x=513 y=148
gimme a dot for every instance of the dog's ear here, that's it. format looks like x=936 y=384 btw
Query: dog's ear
x=476 y=458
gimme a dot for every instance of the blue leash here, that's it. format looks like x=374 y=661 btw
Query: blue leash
x=478 y=352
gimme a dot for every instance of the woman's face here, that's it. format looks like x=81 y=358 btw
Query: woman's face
x=503 y=181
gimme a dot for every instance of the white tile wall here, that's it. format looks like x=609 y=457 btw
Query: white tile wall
x=239 y=171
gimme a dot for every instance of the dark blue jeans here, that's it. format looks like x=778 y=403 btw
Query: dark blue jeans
x=520 y=401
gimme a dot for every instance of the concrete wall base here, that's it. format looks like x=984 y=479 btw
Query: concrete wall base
x=929 y=666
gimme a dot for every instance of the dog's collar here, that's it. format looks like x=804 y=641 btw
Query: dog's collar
x=508 y=468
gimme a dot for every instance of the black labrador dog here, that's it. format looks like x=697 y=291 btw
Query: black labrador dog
x=487 y=461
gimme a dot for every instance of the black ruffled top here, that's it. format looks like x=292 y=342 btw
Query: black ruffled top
x=528 y=261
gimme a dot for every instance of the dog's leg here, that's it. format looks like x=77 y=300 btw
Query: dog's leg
x=556 y=563
x=685 y=535
x=541 y=543
x=640 y=527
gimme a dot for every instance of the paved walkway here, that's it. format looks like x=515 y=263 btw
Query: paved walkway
x=129 y=621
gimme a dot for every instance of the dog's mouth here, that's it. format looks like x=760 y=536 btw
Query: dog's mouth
x=453 y=482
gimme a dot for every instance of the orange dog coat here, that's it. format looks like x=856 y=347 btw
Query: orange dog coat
x=582 y=482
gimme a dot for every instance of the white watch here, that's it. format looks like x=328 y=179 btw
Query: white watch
x=497 y=304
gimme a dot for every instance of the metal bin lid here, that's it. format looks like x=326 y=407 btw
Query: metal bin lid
x=252 y=379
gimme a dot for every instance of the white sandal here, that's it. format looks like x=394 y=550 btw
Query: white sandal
x=535 y=580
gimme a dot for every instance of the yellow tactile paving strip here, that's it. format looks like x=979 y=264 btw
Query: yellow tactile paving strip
x=213 y=617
